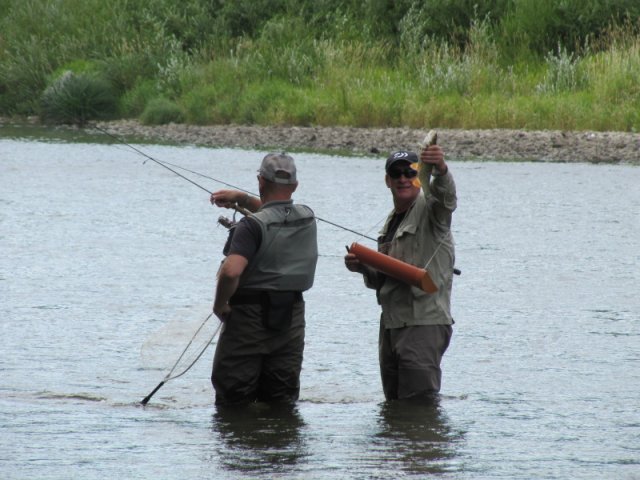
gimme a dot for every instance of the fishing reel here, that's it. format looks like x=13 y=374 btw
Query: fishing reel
x=226 y=223
x=230 y=224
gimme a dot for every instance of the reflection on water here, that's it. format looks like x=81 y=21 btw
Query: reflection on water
x=367 y=440
x=259 y=437
x=418 y=434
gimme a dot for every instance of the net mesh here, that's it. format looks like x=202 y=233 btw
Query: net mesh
x=187 y=334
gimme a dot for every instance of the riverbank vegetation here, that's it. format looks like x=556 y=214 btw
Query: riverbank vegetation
x=529 y=64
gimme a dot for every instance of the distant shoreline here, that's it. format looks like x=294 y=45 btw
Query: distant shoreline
x=496 y=144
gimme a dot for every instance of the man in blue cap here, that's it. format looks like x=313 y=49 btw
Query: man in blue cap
x=415 y=326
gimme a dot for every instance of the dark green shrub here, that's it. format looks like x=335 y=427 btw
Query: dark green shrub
x=125 y=70
x=539 y=26
x=161 y=111
x=77 y=98
x=243 y=17
x=134 y=101
x=283 y=52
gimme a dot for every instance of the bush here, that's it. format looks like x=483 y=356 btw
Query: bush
x=563 y=73
x=134 y=101
x=160 y=111
x=77 y=98
x=124 y=70
x=538 y=26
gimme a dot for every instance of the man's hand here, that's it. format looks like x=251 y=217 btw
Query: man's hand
x=352 y=263
x=222 y=312
x=434 y=155
x=228 y=280
x=228 y=198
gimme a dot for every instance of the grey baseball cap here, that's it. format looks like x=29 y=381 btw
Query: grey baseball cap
x=278 y=168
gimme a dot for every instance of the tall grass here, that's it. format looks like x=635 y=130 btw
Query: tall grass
x=573 y=64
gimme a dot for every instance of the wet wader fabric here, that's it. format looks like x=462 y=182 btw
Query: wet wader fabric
x=256 y=363
x=410 y=360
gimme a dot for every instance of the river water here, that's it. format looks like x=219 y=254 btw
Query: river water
x=107 y=266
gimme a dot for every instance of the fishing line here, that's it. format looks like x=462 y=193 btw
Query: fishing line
x=149 y=157
x=171 y=375
x=166 y=165
x=251 y=193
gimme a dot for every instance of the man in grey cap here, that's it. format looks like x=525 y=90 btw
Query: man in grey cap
x=415 y=326
x=270 y=260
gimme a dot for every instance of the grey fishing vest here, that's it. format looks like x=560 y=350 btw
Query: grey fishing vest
x=287 y=257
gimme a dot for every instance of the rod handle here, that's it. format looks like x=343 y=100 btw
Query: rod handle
x=146 y=399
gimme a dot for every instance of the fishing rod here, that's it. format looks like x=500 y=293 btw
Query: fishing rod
x=251 y=193
x=168 y=166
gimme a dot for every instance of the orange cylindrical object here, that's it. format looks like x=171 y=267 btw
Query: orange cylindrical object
x=405 y=272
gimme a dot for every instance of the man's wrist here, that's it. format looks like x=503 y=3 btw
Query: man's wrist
x=438 y=173
x=219 y=306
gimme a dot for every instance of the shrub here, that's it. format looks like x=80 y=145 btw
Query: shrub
x=77 y=98
x=563 y=73
x=124 y=70
x=160 y=111
x=134 y=101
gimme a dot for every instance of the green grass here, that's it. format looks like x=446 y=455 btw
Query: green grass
x=530 y=64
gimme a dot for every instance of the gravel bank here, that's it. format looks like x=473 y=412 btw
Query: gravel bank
x=499 y=144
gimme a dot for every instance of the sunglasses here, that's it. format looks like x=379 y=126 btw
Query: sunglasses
x=395 y=173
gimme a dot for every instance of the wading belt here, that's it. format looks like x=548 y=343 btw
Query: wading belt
x=257 y=297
